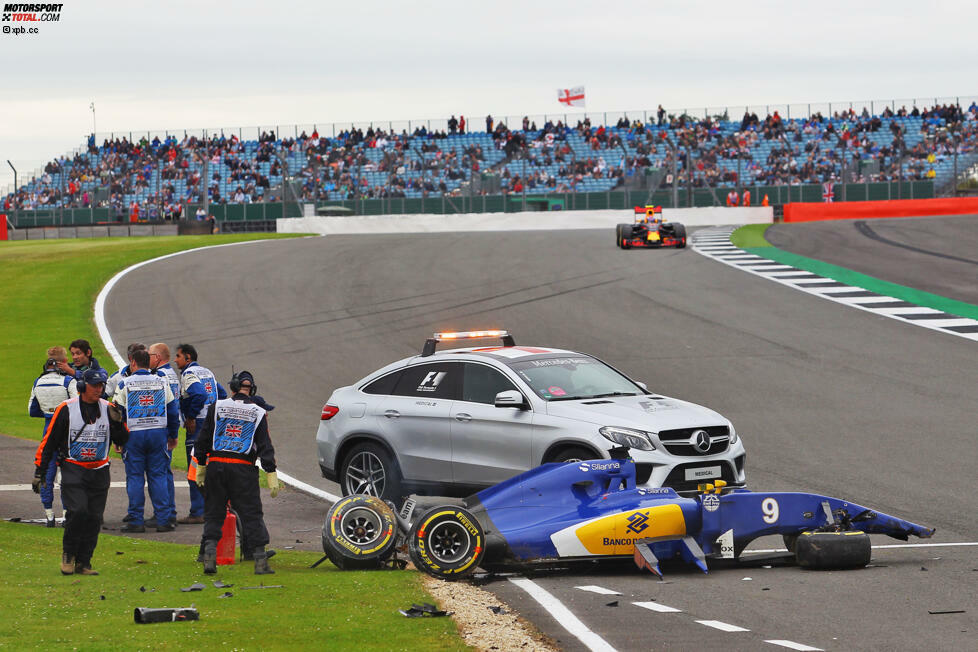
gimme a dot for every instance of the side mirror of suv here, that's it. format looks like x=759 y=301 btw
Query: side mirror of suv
x=644 y=387
x=510 y=399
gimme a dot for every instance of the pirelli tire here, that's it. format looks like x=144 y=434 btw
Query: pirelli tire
x=618 y=235
x=447 y=542
x=679 y=232
x=832 y=550
x=626 y=236
x=359 y=532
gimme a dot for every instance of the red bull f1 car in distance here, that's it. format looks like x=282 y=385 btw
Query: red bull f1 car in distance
x=565 y=512
x=650 y=231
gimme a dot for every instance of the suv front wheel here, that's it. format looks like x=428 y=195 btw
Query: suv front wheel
x=573 y=454
x=369 y=469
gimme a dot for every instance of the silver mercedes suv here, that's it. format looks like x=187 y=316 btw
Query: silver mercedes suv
x=450 y=423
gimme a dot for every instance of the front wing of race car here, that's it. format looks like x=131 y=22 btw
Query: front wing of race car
x=628 y=236
x=653 y=243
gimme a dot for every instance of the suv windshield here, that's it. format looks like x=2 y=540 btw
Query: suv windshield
x=573 y=377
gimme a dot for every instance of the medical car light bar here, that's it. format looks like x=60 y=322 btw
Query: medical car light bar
x=432 y=342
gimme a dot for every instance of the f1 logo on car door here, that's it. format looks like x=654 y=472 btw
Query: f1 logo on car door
x=415 y=418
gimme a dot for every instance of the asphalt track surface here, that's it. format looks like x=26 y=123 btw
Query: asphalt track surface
x=829 y=399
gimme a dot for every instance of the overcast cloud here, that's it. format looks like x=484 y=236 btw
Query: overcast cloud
x=176 y=65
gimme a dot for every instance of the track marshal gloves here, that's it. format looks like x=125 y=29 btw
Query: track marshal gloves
x=39 y=482
x=273 y=483
x=115 y=412
x=201 y=475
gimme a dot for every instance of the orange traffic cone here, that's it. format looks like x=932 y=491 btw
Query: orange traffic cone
x=229 y=534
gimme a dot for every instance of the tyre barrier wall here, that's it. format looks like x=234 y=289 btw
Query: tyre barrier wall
x=874 y=209
x=530 y=221
x=116 y=230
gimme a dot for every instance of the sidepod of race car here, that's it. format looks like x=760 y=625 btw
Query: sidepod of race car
x=593 y=510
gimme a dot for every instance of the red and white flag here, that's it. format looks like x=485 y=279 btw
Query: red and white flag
x=828 y=194
x=571 y=96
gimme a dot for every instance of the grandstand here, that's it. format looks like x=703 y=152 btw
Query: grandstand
x=162 y=177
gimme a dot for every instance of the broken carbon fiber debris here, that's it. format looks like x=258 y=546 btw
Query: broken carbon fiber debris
x=144 y=615
x=422 y=610
x=197 y=586
x=263 y=586
x=218 y=584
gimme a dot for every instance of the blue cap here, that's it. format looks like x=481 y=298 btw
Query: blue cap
x=95 y=377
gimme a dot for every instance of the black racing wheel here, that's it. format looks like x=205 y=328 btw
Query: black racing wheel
x=627 y=233
x=833 y=550
x=359 y=532
x=679 y=232
x=447 y=542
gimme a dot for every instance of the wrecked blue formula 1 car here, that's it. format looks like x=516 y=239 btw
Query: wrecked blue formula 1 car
x=557 y=513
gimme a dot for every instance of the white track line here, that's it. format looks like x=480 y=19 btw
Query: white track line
x=597 y=589
x=119 y=484
x=722 y=626
x=103 y=331
x=708 y=243
x=563 y=615
x=794 y=646
x=655 y=606
x=881 y=547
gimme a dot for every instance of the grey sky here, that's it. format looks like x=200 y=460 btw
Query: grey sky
x=176 y=65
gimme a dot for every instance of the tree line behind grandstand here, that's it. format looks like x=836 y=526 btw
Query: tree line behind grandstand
x=159 y=177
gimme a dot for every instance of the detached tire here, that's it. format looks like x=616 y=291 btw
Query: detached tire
x=833 y=550
x=359 y=532
x=679 y=231
x=447 y=542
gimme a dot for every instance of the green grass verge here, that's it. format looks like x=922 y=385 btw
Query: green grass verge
x=47 y=294
x=47 y=297
x=873 y=284
x=320 y=608
x=750 y=235
x=750 y=238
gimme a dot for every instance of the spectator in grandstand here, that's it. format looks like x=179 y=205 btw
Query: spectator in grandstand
x=461 y=124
